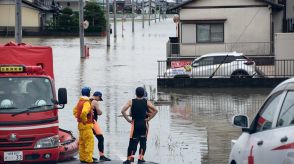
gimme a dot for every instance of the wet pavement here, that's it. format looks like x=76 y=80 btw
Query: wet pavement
x=102 y=162
x=194 y=128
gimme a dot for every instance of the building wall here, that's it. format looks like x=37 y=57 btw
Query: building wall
x=30 y=16
x=241 y=25
x=146 y=7
x=290 y=9
x=284 y=51
x=284 y=46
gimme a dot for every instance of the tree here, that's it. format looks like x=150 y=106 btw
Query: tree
x=68 y=19
x=95 y=15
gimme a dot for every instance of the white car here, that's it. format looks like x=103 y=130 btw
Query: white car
x=231 y=65
x=270 y=137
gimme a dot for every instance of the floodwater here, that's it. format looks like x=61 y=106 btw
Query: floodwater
x=195 y=128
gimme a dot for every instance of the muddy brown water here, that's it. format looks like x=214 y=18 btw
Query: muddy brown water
x=194 y=129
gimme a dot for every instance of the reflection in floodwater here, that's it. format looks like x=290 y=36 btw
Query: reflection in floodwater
x=194 y=129
x=206 y=114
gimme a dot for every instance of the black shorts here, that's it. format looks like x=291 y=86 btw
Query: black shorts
x=139 y=129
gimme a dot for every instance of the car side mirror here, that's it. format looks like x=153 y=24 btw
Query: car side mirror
x=240 y=121
x=62 y=96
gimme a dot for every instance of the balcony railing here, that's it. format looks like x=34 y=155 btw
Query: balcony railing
x=235 y=69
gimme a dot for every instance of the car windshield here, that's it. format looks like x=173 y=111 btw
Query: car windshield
x=20 y=93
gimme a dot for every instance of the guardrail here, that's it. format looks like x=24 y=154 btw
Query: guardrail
x=234 y=69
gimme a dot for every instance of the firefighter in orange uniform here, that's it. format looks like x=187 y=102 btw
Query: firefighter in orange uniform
x=84 y=114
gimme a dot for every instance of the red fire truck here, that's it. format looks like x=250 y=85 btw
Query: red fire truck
x=29 y=130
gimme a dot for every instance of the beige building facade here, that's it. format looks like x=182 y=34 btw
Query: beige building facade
x=208 y=26
x=35 y=13
x=30 y=16
x=284 y=53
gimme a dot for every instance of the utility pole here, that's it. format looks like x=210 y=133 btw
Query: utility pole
x=164 y=5
x=107 y=23
x=155 y=11
x=133 y=17
x=159 y=12
x=143 y=13
x=81 y=21
x=122 y=26
x=18 y=26
x=114 y=18
x=149 y=12
x=122 y=22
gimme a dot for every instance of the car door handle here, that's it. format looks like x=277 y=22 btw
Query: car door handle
x=284 y=139
x=259 y=143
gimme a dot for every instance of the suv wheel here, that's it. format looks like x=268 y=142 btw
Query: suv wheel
x=240 y=74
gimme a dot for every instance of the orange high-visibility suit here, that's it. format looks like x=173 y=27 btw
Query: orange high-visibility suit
x=84 y=115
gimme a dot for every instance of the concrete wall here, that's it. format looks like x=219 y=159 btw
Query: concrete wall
x=30 y=16
x=250 y=24
x=284 y=50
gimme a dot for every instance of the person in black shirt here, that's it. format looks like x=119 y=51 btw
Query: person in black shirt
x=97 y=96
x=142 y=111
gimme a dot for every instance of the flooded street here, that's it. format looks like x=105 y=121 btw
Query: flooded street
x=195 y=128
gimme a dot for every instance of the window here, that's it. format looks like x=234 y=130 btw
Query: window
x=206 y=61
x=210 y=33
x=266 y=116
x=21 y=93
x=286 y=117
x=68 y=3
x=230 y=59
x=220 y=59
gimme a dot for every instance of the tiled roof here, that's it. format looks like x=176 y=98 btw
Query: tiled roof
x=270 y=2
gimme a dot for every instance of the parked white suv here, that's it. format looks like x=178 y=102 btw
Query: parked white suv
x=231 y=65
x=270 y=137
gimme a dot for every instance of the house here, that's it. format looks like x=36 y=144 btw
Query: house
x=120 y=5
x=34 y=15
x=246 y=26
x=152 y=5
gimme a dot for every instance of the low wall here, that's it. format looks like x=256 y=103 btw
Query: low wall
x=218 y=82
